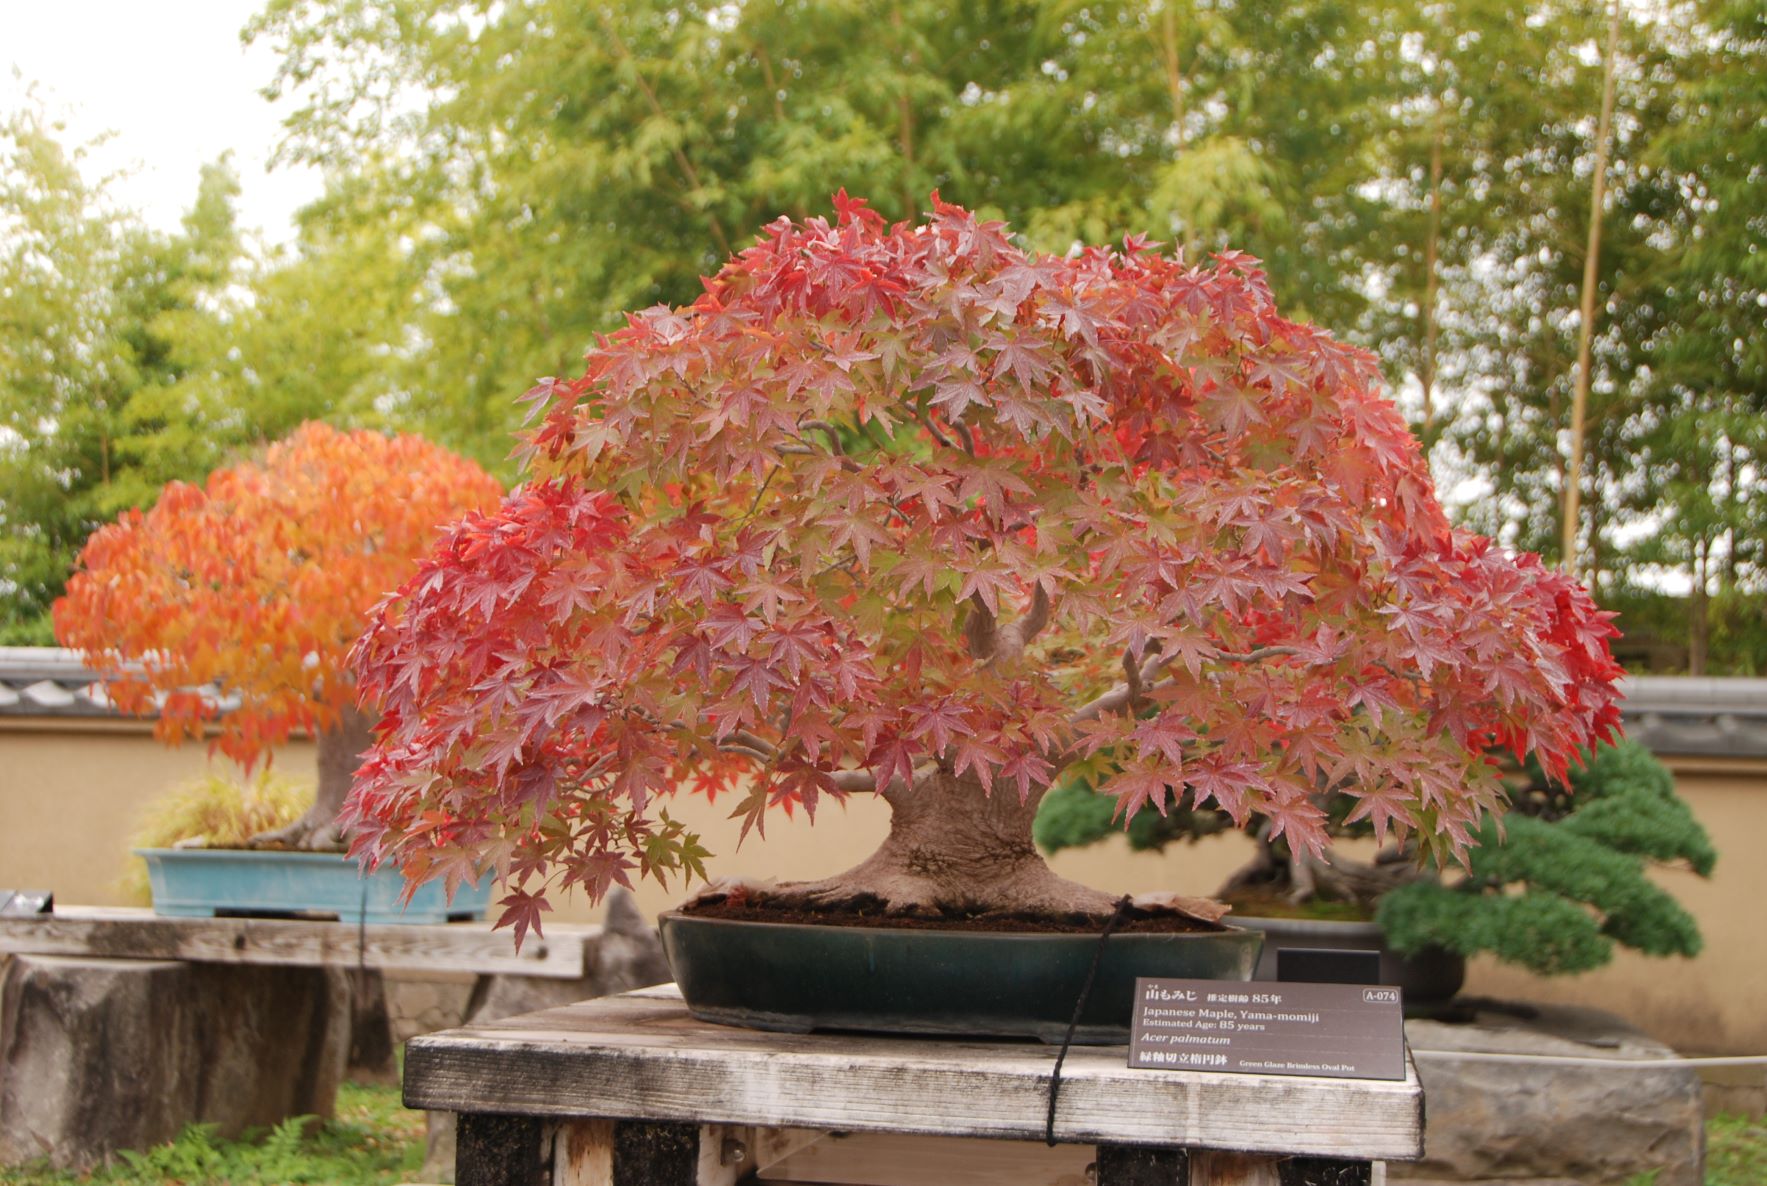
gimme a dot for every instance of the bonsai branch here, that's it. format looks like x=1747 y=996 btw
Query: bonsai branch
x=989 y=643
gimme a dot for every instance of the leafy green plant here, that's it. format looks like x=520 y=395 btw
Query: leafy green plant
x=373 y=1140
x=217 y=809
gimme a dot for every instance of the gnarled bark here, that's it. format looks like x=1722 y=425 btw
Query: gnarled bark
x=340 y=752
x=953 y=849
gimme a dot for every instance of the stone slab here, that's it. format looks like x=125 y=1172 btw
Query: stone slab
x=98 y=1055
x=1522 y=1121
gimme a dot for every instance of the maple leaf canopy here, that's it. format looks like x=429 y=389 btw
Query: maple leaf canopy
x=255 y=584
x=894 y=499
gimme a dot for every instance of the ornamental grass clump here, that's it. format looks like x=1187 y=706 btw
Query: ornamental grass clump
x=905 y=511
x=215 y=810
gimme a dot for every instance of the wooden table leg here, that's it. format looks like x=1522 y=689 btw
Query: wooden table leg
x=1325 y=1171
x=499 y=1151
x=1142 y=1165
x=641 y=1153
x=1154 y=1165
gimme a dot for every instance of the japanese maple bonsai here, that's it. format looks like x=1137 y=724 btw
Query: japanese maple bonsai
x=903 y=510
x=250 y=589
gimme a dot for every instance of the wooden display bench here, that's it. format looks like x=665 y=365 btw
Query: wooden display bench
x=632 y=1091
x=118 y=932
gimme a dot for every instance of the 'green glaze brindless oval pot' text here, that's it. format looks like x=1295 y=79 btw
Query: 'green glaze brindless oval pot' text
x=797 y=978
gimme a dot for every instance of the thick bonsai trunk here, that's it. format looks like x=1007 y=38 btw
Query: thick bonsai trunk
x=340 y=752
x=953 y=849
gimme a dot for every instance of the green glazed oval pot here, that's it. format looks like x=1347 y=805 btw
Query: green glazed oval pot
x=797 y=978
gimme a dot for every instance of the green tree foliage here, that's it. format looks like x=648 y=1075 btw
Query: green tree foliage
x=88 y=302
x=1702 y=435
x=553 y=163
x=1562 y=878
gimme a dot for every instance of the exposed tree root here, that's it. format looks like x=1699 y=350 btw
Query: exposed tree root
x=316 y=831
x=1306 y=878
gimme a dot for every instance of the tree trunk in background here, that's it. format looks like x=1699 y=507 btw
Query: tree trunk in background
x=1591 y=269
x=1699 y=612
x=1431 y=254
x=340 y=751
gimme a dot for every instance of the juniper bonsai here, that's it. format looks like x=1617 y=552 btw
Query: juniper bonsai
x=1561 y=878
x=1552 y=884
x=902 y=510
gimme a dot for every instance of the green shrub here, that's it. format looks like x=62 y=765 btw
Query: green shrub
x=1562 y=878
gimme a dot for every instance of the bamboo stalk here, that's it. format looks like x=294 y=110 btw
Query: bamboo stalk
x=1591 y=267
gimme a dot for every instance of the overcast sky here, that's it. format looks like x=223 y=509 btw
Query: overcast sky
x=170 y=79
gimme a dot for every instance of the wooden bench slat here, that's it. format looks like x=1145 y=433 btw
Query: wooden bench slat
x=133 y=933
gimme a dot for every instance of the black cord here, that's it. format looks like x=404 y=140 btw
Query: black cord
x=1116 y=917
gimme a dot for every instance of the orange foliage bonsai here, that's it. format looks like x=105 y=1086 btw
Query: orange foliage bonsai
x=256 y=584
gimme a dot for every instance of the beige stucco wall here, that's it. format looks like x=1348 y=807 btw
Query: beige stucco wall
x=69 y=792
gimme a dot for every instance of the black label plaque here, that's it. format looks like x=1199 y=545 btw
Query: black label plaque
x=1349 y=1031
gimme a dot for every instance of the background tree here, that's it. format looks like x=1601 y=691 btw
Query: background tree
x=1702 y=436
x=909 y=511
x=551 y=164
x=233 y=605
x=85 y=296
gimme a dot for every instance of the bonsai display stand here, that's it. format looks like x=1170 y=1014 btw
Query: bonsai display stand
x=633 y=1091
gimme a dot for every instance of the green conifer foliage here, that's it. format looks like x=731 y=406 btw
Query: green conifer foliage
x=1553 y=886
x=1567 y=880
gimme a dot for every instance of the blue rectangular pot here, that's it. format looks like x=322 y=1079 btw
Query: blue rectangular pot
x=207 y=882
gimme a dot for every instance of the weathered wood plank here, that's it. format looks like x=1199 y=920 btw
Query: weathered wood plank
x=125 y=933
x=641 y=1056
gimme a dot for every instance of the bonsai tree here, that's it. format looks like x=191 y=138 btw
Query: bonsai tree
x=1565 y=879
x=254 y=585
x=902 y=510
x=1552 y=885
